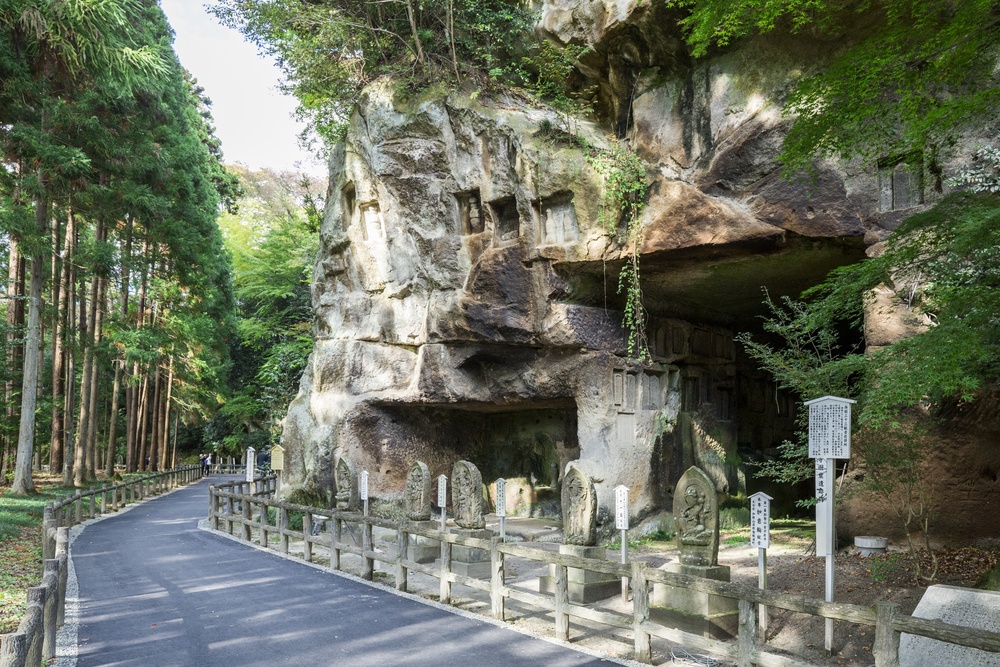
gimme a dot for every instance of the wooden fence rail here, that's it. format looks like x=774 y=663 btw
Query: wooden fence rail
x=238 y=511
x=34 y=641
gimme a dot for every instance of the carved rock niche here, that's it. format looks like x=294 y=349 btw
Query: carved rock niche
x=557 y=224
x=470 y=212
x=506 y=221
x=372 y=226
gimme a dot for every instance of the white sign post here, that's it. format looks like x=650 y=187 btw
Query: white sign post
x=443 y=498
x=621 y=523
x=364 y=490
x=502 y=507
x=829 y=439
x=760 y=537
x=251 y=462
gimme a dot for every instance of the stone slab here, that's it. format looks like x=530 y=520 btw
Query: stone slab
x=961 y=606
x=694 y=611
x=584 y=586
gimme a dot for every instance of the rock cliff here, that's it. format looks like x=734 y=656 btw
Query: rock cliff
x=465 y=292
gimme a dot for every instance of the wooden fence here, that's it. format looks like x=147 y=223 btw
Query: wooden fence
x=34 y=641
x=234 y=509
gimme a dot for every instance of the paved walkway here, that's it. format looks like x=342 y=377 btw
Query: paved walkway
x=155 y=591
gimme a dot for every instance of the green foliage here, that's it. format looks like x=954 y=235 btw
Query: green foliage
x=272 y=240
x=883 y=566
x=329 y=51
x=911 y=75
x=622 y=199
x=734 y=518
x=547 y=72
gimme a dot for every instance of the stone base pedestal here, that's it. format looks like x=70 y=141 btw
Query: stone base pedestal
x=692 y=611
x=469 y=561
x=423 y=549
x=584 y=586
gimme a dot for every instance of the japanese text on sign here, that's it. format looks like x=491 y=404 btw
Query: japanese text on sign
x=501 y=497
x=442 y=491
x=760 y=520
x=621 y=507
x=364 y=485
x=830 y=428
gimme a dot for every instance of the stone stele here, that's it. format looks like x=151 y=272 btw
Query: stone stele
x=418 y=492
x=579 y=508
x=346 y=477
x=696 y=517
x=467 y=495
x=960 y=606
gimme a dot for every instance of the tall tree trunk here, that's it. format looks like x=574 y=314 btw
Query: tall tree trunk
x=95 y=376
x=82 y=454
x=60 y=293
x=132 y=460
x=109 y=464
x=154 y=419
x=173 y=457
x=69 y=350
x=141 y=421
x=166 y=461
x=23 y=483
x=15 y=349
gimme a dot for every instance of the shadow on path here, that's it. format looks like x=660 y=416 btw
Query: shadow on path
x=155 y=591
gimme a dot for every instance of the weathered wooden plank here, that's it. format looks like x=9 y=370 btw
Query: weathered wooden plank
x=555 y=558
x=598 y=616
x=948 y=632
x=534 y=599
x=691 y=641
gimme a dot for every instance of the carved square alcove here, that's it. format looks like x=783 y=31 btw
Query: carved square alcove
x=557 y=222
x=624 y=387
x=653 y=391
x=470 y=212
x=372 y=226
x=506 y=221
x=900 y=182
x=348 y=201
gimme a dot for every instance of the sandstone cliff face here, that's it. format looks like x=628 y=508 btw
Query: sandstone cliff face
x=466 y=295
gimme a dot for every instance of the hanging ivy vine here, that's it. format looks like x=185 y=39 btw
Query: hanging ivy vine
x=622 y=201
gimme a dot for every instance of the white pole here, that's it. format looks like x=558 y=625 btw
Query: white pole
x=832 y=537
x=624 y=560
x=762 y=585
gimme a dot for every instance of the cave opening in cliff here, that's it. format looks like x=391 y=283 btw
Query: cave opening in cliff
x=526 y=443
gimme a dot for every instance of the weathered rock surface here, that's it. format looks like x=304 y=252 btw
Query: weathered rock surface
x=465 y=292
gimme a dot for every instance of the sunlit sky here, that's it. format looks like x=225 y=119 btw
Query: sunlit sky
x=252 y=118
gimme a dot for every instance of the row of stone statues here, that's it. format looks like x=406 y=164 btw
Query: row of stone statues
x=696 y=509
x=579 y=499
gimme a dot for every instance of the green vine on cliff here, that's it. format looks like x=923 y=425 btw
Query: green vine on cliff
x=622 y=201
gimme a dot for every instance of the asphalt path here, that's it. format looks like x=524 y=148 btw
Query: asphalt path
x=156 y=591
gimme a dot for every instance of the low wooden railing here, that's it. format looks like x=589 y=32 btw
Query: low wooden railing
x=240 y=514
x=34 y=641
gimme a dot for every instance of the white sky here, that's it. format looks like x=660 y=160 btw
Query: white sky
x=252 y=118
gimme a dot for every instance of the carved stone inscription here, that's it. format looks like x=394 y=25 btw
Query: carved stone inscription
x=346 y=477
x=579 y=508
x=467 y=495
x=418 y=492
x=696 y=516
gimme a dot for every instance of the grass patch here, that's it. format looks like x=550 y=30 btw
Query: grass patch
x=736 y=540
x=21 y=546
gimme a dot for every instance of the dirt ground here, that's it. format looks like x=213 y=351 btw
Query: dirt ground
x=792 y=568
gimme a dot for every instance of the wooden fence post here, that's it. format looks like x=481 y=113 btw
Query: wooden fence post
x=367 y=563
x=263 y=523
x=50 y=581
x=307 y=545
x=62 y=555
x=104 y=500
x=93 y=506
x=746 y=640
x=283 y=529
x=13 y=649
x=246 y=517
x=886 y=650
x=36 y=616
x=402 y=540
x=445 y=588
x=497 y=578
x=562 y=601
x=335 y=531
x=78 y=504
x=640 y=613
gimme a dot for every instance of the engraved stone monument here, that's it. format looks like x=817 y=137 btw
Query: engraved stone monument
x=418 y=510
x=467 y=502
x=346 y=478
x=579 y=510
x=960 y=606
x=696 y=519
